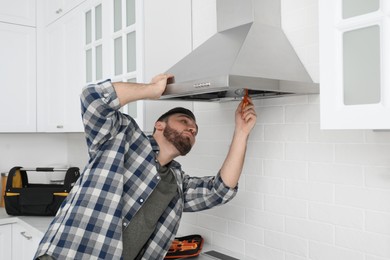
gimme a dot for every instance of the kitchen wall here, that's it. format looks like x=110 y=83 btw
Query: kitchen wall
x=305 y=193
x=42 y=150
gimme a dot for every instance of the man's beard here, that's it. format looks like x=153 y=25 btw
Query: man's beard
x=182 y=143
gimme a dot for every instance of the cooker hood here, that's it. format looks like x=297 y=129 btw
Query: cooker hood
x=249 y=50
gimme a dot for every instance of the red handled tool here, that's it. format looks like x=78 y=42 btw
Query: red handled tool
x=245 y=100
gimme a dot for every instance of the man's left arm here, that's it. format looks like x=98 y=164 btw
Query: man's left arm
x=245 y=120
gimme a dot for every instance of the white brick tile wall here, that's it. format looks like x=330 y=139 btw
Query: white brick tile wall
x=364 y=154
x=311 y=230
x=230 y=242
x=365 y=242
x=336 y=173
x=337 y=215
x=272 y=115
x=294 y=257
x=213 y=223
x=266 y=220
x=257 y=251
x=282 y=101
x=284 y=242
x=371 y=257
x=313 y=152
x=252 y=166
x=377 y=177
x=246 y=232
x=320 y=251
x=228 y=211
x=308 y=113
x=266 y=150
x=286 y=133
x=365 y=198
x=249 y=199
x=286 y=206
x=378 y=222
x=286 y=169
x=334 y=136
x=305 y=193
x=273 y=186
x=377 y=136
x=311 y=191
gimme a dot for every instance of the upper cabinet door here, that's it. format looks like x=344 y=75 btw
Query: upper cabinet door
x=126 y=52
x=63 y=74
x=354 y=64
x=18 y=12
x=54 y=9
x=18 y=78
x=168 y=34
x=5 y=241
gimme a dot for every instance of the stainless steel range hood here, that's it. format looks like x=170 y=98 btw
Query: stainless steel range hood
x=250 y=50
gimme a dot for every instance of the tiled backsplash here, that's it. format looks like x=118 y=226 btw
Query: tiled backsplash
x=305 y=193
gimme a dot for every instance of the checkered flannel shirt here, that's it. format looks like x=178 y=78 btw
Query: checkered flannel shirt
x=120 y=176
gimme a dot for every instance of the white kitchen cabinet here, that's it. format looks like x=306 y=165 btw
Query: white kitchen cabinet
x=17 y=78
x=18 y=242
x=54 y=9
x=96 y=42
x=5 y=241
x=20 y=12
x=167 y=34
x=25 y=242
x=125 y=40
x=126 y=48
x=354 y=64
x=204 y=21
x=62 y=77
x=167 y=39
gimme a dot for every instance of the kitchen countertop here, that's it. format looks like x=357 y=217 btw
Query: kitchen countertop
x=40 y=224
x=228 y=255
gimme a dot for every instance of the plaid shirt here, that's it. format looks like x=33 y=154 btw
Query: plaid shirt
x=120 y=176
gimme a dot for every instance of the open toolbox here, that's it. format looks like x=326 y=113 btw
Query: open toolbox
x=24 y=198
x=185 y=247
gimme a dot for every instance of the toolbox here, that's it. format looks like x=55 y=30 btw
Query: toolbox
x=185 y=247
x=35 y=199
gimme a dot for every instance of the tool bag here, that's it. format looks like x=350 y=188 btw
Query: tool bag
x=32 y=199
x=185 y=247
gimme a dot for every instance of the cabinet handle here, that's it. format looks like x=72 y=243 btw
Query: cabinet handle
x=60 y=126
x=26 y=236
x=59 y=11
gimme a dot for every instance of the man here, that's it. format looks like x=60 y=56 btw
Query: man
x=129 y=200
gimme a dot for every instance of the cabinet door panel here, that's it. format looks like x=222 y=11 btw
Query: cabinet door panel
x=5 y=241
x=354 y=64
x=55 y=9
x=54 y=92
x=24 y=242
x=168 y=34
x=59 y=102
x=18 y=12
x=17 y=78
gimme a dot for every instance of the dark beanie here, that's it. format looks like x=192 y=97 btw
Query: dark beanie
x=177 y=110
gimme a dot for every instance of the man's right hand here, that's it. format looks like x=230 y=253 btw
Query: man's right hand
x=158 y=85
x=129 y=91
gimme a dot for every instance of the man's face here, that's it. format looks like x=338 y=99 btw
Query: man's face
x=180 y=130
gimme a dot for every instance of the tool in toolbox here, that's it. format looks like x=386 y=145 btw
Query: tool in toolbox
x=35 y=199
x=185 y=247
